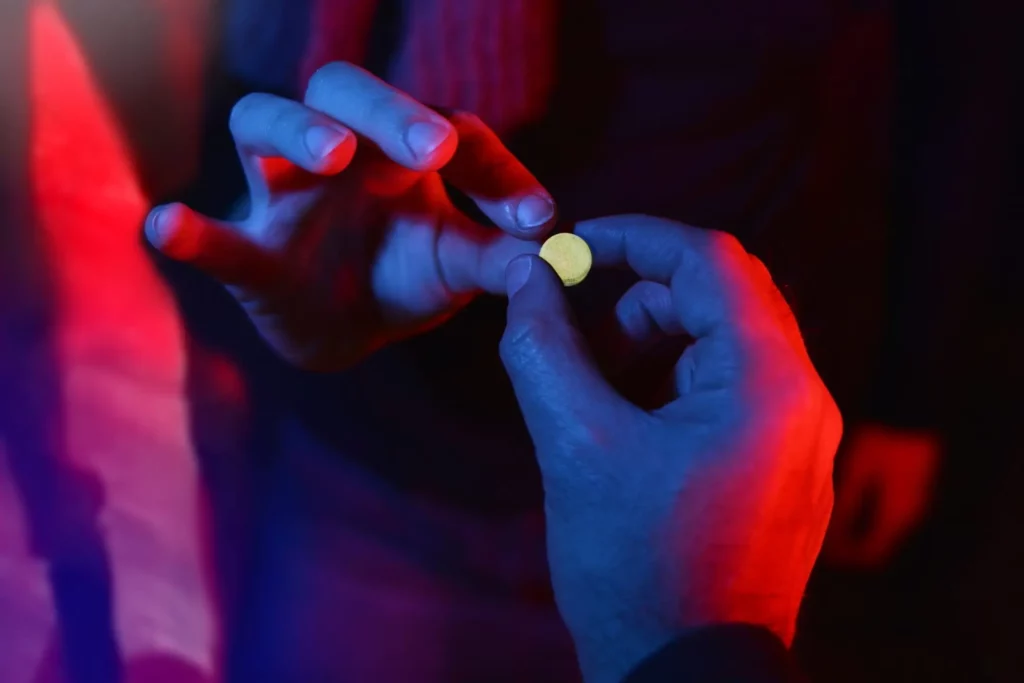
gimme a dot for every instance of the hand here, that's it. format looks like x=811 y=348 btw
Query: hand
x=883 y=495
x=352 y=241
x=709 y=509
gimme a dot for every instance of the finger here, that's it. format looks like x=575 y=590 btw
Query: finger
x=645 y=314
x=408 y=132
x=273 y=127
x=213 y=247
x=560 y=391
x=707 y=271
x=472 y=258
x=643 y=317
x=496 y=181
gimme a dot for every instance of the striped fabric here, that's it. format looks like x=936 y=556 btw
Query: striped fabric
x=492 y=57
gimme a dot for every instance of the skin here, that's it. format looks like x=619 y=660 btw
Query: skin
x=351 y=241
x=709 y=509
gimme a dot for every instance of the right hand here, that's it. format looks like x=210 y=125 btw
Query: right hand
x=351 y=241
x=711 y=509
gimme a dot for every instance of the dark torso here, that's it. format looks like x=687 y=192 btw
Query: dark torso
x=699 y=112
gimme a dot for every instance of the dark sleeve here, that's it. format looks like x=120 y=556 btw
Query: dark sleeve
x=953 y=84
x=729 y=653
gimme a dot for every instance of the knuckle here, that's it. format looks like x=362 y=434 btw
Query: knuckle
x=260 y=119
x=244 y=110
x=799 y=394
x=328 y=77
x=522 y=341
x=286 y=123
x=386 y=106
x=725 y=244
x=785 y=312
x=760 y=268
x=833 y=424
x=804 y=399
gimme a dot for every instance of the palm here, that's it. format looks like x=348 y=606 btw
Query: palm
x=362 y=254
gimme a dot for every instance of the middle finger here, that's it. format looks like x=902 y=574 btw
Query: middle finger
x=409 y=133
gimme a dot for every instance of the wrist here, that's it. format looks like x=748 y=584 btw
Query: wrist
x=622 y=642
x=718 y=653
x=610 y=655
x=613 y=662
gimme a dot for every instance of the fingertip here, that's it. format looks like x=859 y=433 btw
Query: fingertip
x=161 y=224
x=517 y=273
x=534 y=215
x=531 y=272
x=331 y=148
x=535 y=291
x=431 y=143
x=171 y=230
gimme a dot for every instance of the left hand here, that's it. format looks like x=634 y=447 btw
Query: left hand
x=351 y=241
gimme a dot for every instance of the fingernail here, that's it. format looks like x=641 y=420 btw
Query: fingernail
x=423 y=137
x=517 y=273
x=157 y=227
x=534 y=210
x=322 y=140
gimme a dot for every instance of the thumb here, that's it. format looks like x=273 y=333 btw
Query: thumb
x=560 y=391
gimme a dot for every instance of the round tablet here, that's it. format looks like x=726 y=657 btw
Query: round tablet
x=569 y=256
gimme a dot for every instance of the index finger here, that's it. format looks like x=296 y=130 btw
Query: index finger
x=708 y=272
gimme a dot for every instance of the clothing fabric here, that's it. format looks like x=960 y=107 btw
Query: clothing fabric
x=403 y=492
x=732 y=653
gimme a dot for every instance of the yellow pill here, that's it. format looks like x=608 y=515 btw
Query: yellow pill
x=569 y=256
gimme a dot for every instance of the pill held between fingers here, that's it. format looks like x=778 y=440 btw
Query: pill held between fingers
x=569 y=256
